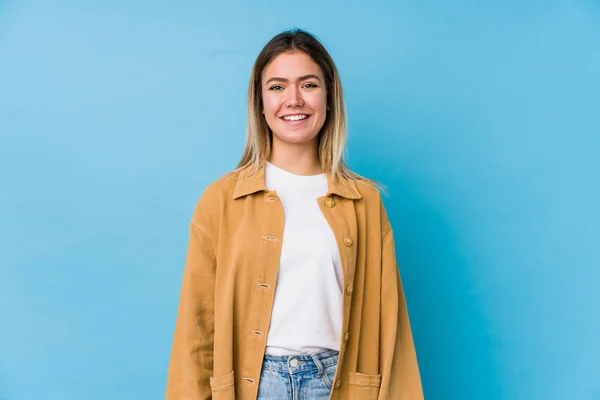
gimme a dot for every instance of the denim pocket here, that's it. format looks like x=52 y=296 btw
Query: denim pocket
x=329 y=375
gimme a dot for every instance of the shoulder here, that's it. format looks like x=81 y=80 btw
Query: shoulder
x=370 y=194
x=214 y=198
x=373 y=204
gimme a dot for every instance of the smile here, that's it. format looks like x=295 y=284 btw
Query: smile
x=295 y=119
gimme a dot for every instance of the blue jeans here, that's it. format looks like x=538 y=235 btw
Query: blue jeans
x=297 y=377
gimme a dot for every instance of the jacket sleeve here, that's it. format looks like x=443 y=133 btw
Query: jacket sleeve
x=191 y=362
x=400 y=378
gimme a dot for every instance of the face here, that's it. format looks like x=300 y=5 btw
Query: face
x=294 y=98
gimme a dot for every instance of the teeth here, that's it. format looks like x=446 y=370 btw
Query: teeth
x=295 y=117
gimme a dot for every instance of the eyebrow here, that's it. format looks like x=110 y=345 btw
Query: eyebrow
x=301 y=78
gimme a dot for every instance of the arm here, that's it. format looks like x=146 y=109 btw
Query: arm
x=400 y=378
x=191 y=363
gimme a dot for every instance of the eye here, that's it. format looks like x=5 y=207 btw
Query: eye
x=311 y=85
x=273 y=87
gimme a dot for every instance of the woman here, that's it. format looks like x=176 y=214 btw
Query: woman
x=290 y=288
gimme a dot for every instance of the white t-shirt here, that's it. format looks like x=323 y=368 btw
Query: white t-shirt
x=307 y=311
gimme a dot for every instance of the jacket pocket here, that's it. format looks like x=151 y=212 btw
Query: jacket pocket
x=363 y=387
x=223 y=387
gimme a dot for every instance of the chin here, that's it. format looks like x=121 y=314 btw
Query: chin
x=296 y=139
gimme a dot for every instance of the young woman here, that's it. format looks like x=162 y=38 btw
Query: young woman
x=291 y=288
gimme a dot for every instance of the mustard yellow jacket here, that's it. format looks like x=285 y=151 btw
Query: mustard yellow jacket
x=229 y=285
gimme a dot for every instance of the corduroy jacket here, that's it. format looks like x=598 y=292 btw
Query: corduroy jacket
x=228 y=288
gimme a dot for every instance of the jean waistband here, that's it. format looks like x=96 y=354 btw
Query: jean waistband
x=300 y=362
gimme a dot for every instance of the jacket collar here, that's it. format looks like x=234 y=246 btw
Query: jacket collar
x=248 y=183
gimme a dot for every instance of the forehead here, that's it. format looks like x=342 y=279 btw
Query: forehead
x=291 y=64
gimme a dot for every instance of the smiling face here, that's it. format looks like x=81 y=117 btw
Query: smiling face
x=294 y=98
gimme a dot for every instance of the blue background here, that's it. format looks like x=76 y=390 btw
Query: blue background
x=482 y=118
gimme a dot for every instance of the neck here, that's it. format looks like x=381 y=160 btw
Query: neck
x=297 y=158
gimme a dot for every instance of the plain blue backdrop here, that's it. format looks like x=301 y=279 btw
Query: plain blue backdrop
x=482 y=118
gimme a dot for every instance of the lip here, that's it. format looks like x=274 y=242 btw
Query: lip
x=296 y=123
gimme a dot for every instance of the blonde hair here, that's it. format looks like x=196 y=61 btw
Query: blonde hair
x=333 y=136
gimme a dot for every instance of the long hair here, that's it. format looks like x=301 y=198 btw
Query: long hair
x=332 y=138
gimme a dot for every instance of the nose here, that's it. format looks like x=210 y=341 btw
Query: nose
x=294 y=98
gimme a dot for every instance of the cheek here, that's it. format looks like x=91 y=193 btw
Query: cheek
x=269 y=106
x=319 y=103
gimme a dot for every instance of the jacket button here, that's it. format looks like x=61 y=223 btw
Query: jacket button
x=338 y=384
x=330 y=202
x=348 y=241
x=346 y=337
x=349 y=290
